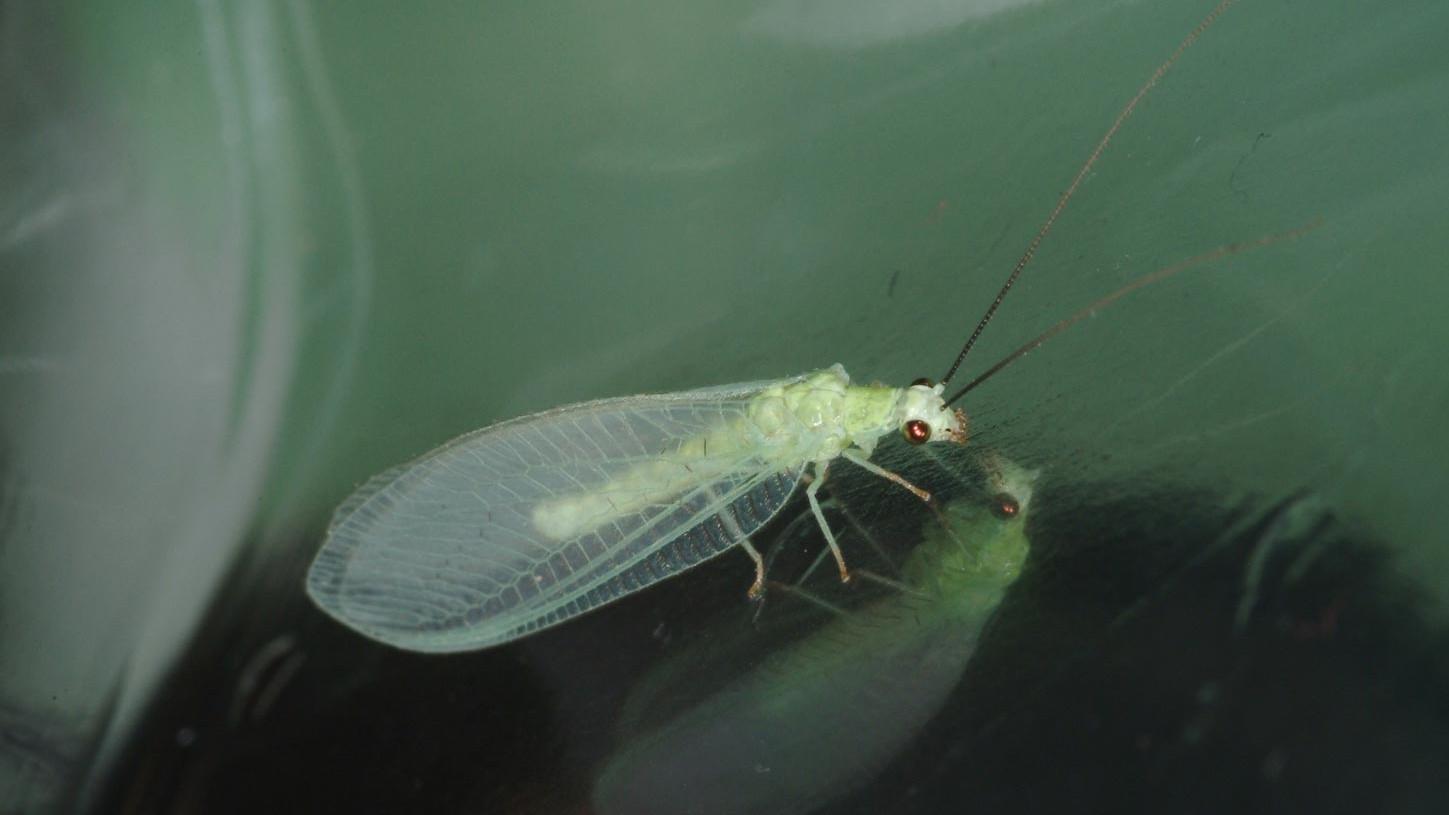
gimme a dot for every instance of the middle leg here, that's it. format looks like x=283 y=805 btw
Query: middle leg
x=821 y=469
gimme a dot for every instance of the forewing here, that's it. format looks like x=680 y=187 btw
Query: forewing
x=445 y=553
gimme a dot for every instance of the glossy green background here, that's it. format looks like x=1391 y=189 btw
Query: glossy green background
x=251 y=253
x=567 y=205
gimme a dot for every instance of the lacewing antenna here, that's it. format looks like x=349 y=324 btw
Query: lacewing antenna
x=1141 y=282
x=1066 y=196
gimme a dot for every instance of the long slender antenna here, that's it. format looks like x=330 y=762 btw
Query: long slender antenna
x=1145 y=280
x=1066 y=196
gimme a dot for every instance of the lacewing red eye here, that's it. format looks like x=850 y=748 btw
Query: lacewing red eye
x=923 y=382
x=916 y=431
x=1004 y=506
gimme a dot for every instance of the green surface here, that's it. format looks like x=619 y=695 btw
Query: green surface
x=255 y=252
x=568 y=205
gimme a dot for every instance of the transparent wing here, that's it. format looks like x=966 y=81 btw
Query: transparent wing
x=527 y=523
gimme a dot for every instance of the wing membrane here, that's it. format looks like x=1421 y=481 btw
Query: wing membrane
x=525 y=524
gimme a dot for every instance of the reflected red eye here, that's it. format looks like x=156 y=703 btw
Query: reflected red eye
x=1004 y=506
x=916 y=431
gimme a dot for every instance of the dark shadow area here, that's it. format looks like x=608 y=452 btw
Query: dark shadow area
x=1159 y=653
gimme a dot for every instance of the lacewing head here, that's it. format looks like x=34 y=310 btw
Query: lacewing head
x=923 y=415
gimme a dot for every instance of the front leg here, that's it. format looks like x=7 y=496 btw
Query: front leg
x=855 y=457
